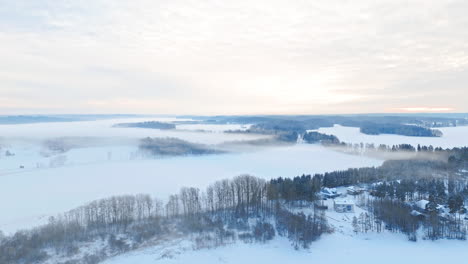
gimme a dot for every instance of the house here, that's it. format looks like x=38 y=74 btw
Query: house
x=422 y=204
x=343 y=206
x=354 y=190
x=329 y=193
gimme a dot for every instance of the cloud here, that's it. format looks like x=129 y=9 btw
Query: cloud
x=210 y=57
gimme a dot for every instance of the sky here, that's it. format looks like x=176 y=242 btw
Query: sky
x=233 y=57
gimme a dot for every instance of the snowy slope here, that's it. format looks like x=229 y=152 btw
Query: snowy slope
x=334 y=248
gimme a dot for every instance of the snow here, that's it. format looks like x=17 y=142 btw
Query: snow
x=334 y=248
x=41 y=192
x=342 y=246
x=452 y=137
x=29 y=196
x=344 y=201
x=50 y=185
x=422 y=204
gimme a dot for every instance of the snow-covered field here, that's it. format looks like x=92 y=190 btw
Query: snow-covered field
x=453 y=137
x=43 y=192
x=48 y=185
x=335 y=248
x=100 y=141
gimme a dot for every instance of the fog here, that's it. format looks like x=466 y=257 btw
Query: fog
x=103 y=128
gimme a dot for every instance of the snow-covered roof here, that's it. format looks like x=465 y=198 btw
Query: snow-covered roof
x=415 y=213
x=422 y=203
x=355 y=188
x=329 y=190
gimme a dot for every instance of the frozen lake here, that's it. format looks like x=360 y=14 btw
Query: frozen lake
x=453 y=137
x=28 y=197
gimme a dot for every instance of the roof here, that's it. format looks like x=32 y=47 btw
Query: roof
x=355 y=188
x=416 y=213
x=422 y=203
x=329 y=190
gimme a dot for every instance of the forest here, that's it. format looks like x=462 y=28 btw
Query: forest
x=226 y=211
x=316 y=137
x=394 y=189
x=399 y=129
x=174 y=147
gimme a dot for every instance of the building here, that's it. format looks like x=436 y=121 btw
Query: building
x=329 y=193
x=343 y=206
x=422 y=204
x=354 y=190
x=425 y=206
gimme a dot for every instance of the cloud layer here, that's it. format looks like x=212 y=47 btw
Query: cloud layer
x=232 y=57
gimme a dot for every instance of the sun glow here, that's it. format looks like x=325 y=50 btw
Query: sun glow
x=425 y=109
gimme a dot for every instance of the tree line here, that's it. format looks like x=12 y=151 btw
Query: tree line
x=213 y=216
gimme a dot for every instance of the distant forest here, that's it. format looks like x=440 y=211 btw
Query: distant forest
x=315 y=137
x=174 y=147
x=398 y=129
x=148 y=124
x=406 y=125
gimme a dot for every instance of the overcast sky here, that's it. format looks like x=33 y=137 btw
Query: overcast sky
x=233 y=57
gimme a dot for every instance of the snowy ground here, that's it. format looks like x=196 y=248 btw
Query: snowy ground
x=453 y=137
x=334 y=248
